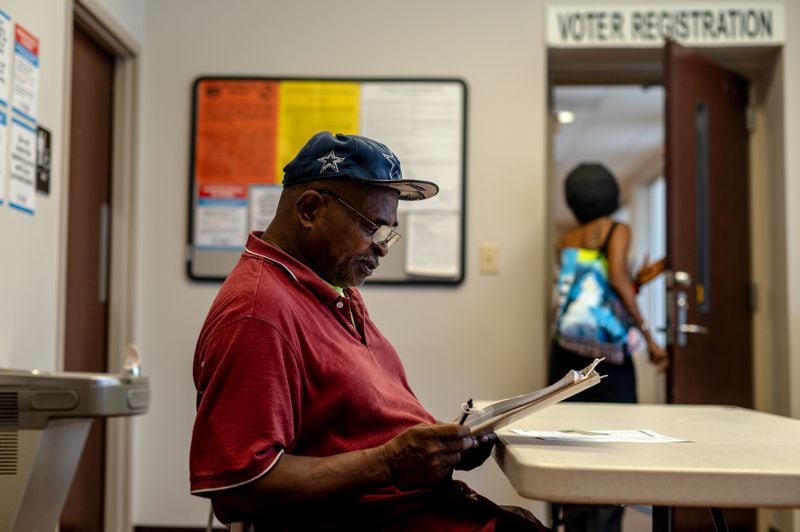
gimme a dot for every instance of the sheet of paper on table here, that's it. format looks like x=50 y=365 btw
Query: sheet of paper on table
x=598 y=436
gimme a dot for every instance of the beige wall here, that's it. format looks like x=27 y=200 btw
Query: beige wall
x=30 y=245
x=791 y=198
x=768 y=242
x=32 y=248
x=791 y=117
x=33 y=245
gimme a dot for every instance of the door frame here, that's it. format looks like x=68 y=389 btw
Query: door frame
x=764 y=69
x=100 y=26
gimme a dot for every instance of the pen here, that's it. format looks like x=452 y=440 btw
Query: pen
x=465 y=408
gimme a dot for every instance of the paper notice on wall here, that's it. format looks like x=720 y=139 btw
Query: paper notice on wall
x=306 y=107
x=423 y=125
x=22 y=133
x=221 y=217
x=22 y=167
x=3 y=152
x=25 y=86
x=235 y=128
x=6 y=36
x=263 y=205
x=433 y=244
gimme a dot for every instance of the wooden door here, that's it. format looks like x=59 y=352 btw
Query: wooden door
x=86 y=336
x=708 y=246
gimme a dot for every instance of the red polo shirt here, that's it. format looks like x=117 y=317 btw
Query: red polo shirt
x=285 y=363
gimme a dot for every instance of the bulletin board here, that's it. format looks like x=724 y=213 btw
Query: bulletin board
x=245 y=130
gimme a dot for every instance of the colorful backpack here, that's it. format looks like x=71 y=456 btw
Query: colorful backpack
x=590 y=319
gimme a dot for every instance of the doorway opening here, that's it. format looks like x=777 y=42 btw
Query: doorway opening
x=621 y=127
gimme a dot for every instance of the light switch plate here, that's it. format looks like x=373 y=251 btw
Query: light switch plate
x=489 y=258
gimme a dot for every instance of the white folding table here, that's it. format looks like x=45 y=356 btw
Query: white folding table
x=735 y=458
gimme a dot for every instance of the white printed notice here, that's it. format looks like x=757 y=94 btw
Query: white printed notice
x=25 y=89
x=24 y=98
x=221 y=217
x=22 y=167
x=6 y=30
x=422 y=124
x=263 y=205
x=433 y=247
x=3 y=151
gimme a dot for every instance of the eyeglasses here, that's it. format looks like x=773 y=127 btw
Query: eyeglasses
x=381 y=234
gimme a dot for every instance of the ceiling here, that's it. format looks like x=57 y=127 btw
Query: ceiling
x=620 y=126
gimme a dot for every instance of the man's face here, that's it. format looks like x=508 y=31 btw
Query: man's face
x=348 y=255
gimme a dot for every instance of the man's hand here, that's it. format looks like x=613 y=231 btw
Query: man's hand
x=425 y=454
x=478 y=455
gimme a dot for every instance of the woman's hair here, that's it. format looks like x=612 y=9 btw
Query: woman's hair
x=591 y=192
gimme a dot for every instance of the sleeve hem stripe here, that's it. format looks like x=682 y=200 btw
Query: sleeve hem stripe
x=230 y=486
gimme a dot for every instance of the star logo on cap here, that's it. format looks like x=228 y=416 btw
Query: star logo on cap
x=394 y=170
x=330 y=162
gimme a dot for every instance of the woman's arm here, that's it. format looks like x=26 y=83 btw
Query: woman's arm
x=623 y=286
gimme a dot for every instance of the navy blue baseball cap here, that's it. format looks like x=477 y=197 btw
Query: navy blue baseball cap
x=326 y=156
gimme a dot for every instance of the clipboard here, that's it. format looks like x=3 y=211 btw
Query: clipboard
x=503 y=412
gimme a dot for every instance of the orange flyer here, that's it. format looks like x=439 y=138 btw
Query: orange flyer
x=235 y=135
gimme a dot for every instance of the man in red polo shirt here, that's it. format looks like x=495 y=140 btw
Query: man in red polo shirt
x=305 y=419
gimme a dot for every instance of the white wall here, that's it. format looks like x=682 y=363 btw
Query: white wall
x=33 y=248
x=30 y=245
x=791 y=117
x=648 y=203
x=127 y=16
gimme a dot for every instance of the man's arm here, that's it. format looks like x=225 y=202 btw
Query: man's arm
x=421 y=456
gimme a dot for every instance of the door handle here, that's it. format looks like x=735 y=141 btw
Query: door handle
x=678 y=308
x=683 y=328
x=691 y=328
x=678 y=279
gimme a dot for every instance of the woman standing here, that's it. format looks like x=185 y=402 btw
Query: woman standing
x=597 y=311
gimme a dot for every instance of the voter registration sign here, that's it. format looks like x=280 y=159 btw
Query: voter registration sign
x=734 y=24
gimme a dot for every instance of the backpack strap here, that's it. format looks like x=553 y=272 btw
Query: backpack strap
x=604 y=247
